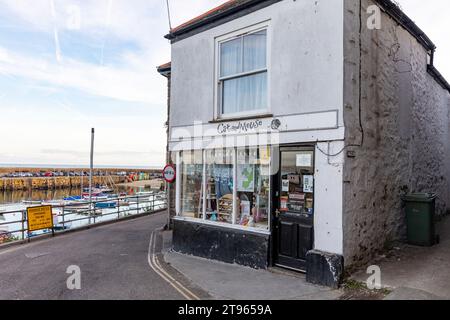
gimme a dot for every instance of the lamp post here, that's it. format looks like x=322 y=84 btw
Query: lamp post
x=91 y=168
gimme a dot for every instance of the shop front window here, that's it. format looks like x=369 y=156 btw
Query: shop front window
x=253 y=185
x=209 y=192
x=219 y=185
x=297 y=182
x=191 y=183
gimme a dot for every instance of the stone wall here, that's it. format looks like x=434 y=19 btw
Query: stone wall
x=51 y=182
x=405 y=132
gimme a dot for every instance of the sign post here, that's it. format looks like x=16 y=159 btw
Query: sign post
x=40 y=218
x=169 y=173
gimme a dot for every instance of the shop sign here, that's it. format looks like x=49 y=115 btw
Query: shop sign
x=239 y=127
x=270 y=126
x=169 y=173
x=39 y=218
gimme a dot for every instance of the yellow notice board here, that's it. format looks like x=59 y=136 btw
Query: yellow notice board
x=40 y=218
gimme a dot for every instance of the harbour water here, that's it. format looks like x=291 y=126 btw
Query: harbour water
x=12 y=207
x=17 y=196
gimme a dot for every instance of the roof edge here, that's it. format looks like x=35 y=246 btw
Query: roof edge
x=438 y=77
x=214 y=17
x=164 y=69
x=396 y=13
x=387 y=6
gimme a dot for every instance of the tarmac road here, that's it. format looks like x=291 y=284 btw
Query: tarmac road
x=113 y=260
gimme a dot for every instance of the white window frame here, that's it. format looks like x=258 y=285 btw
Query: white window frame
x=179 y=214
x=218 y=91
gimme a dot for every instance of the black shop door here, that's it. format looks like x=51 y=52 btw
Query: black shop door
x=294 y=216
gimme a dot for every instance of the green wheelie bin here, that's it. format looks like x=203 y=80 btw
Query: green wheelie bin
x=420 y=211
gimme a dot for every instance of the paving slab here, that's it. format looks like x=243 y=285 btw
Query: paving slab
x=405 y=293
x=423 y=270
x=234 y=282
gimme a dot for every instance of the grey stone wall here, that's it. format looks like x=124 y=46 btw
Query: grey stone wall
x=405 y=132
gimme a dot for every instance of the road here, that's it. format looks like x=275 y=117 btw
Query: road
x=114 y=262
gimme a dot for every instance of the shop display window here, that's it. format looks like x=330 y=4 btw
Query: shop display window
x=253 y=186
x=191 y=183
x=216 y=197
x=219 y=185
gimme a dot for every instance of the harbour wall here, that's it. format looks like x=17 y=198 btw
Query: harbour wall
x=49 y=183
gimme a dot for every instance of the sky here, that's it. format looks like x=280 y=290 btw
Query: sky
x=69 y=65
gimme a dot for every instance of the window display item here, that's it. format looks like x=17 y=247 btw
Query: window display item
x=304 y=159
x=246 y=178
x=308 y=184
x=285 y=186
x=294 y=178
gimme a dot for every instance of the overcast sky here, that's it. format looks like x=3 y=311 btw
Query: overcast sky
x=60 y=76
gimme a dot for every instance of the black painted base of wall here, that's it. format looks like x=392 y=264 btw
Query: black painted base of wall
x=324 y=269
x=222 y=244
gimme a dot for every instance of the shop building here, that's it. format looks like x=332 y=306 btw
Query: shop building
x=295 y=129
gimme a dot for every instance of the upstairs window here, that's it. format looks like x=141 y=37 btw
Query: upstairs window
x=243 y=74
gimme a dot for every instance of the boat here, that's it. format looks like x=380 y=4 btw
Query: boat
x=143 y=193
x=95 y=212
x=77 y=208
x=95 y=197
x=94 y=194
x=106 y=190
x=123 y=203
x=161 y=196
x=73 y=198
x=106 y=205
x=31 y=201
x=55 y=203
x=51 y=203
x=60 y=227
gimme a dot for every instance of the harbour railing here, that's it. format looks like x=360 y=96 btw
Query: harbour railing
x=72 y=215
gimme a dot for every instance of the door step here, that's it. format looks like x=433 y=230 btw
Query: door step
x=287 y=271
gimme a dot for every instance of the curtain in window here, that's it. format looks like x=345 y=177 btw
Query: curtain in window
x=245 y=94
x=251 y=48
x=255 y=51
x=231 y=57
x=238 y=56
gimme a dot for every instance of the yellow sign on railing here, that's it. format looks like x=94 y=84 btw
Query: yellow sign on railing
x=39 y=218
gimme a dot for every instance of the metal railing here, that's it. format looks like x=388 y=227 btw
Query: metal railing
x=72 y=215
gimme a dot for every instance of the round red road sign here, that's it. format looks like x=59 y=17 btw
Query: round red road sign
x=169 y=173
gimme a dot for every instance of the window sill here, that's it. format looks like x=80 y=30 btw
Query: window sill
x=223 y=225
x=243 y=118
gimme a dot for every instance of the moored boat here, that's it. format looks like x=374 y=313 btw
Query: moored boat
x=31 y=201
x=106 y=205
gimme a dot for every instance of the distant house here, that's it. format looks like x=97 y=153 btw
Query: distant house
x=295 y=130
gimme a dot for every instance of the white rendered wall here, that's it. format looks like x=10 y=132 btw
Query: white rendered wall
x=305 y=43
x=328 y=236
x=305 y=62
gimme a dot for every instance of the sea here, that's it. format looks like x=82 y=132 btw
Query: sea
x=74 y=166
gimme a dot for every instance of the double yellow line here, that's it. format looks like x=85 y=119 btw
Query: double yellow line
x=156 y=266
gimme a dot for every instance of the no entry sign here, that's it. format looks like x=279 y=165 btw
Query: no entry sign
x=169 y=173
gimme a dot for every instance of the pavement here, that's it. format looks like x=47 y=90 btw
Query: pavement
x=416 y=273
x=234 y=282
